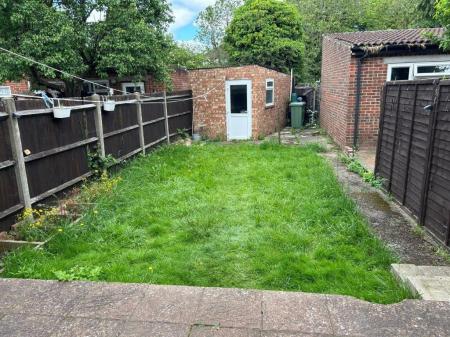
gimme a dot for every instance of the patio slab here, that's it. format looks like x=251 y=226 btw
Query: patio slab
x=113 y=309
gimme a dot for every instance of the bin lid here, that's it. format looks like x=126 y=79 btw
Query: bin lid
x=297 y=103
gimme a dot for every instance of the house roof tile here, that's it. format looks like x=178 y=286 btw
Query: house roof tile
x=388 y=37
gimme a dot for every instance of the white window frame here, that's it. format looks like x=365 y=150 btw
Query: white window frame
x=400 y=65
x=427 y=64
x=273 y=92
x=97 y=89
x=133 y=84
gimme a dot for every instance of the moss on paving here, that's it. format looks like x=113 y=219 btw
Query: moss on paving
x=240 y=215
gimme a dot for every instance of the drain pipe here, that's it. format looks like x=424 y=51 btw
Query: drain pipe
x=358 y=99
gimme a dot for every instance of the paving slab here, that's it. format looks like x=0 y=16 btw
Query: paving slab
x=223 y=307
x=103 y=300
x=218 y=331
x=152 y=329
x=429 y=282
x=296 y=312
x=23 y=325
x=175 y=304
x=113 y=309
x=87 y=327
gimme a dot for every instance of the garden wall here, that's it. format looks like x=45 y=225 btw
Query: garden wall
x=41 y=156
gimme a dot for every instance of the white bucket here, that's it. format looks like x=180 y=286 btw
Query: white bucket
x=61 y=112
x=109 y=105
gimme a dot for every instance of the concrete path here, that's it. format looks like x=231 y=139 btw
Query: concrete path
x=76 y=309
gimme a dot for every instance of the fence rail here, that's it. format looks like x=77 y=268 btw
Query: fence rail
x=41 y=156
x=413 y=154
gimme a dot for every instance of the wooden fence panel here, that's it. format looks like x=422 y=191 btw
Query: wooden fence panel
x=413 y=155
x=56 y=150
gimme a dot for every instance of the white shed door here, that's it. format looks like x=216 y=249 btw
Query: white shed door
x=239 y=109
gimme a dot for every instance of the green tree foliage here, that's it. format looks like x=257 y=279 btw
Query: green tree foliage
x=212 y=23
x=329 y=16
x=267 y=33
x=185 y=56
x=442 y=15
x=130 y=40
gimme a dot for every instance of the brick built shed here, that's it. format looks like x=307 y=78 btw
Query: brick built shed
x=246 y=102
x=350 y=103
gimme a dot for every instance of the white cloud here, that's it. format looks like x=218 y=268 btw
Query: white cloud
x=185 y=11
x=182 y=17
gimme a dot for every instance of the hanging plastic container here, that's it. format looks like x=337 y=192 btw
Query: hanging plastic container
x=109 y=105
x=61 y=111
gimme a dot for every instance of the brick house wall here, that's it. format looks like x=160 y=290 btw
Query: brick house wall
x=211 y=113
x=334 y=90
x=338 y=94
x=373 y=76
x=19 y=87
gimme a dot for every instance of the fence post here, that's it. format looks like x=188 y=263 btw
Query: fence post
x=17 y=150
x=139 y=119
x=166 y=118
x=99 y=124
x=397 y=115
x=380 y=127
x=429 y=154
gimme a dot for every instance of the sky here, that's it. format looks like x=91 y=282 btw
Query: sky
x=185 y=12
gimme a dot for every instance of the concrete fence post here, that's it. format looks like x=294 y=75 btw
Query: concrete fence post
x=139 y=119
x=99 y=124
x=166 y=118
x=17 y=151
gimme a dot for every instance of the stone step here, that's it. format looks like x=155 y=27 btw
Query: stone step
x=429 y=282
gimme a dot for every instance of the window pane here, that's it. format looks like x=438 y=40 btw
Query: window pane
x=269 y=96
x=433 y=69
x=400 y=74
x=269 y=84
x=238 y=98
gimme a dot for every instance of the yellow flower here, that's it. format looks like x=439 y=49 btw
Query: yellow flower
x=150 y=268
x=95 y=212
x=60 y=230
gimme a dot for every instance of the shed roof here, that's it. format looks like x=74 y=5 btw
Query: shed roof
x=391 y=37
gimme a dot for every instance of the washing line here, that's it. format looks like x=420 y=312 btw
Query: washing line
x=94 y=83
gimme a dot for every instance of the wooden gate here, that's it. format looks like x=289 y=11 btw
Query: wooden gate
x=413 y=154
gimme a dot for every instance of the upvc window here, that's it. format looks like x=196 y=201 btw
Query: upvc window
x=400 y=72
x=270 y=85
x=432 y=69
x=91 y=87
x=132 y=87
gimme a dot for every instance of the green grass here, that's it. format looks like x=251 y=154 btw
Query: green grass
x=239 y=215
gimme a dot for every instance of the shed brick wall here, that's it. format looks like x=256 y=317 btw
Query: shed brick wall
x=179 y=78
x=211 y=112
x=334 y=112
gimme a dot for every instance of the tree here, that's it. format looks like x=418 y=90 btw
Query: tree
x=442 y=15
x=321 y=17
x=185 y=56
x=211 y=23
x=129 y=41
x=267 y=33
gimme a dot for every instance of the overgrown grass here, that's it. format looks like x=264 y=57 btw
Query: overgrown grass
x=236 y=215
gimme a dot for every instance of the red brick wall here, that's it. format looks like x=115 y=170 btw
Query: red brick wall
x=211 y=113
x=179 y=78
x=373 y=76
x=20 y=87
x=339 y=94
x=334 y=112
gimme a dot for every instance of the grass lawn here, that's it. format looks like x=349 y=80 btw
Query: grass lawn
x=240 y=215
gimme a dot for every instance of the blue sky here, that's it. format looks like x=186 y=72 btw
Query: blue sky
x=185 y=12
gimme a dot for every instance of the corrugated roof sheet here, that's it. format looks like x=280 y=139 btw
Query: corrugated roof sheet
x=388 y=37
